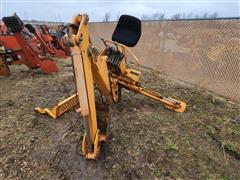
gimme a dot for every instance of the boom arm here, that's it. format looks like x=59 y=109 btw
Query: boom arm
x=88 y=69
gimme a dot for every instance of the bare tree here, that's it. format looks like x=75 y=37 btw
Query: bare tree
x=158 y=16
x=197 y=16
x=118 y=15
x=106 y=17
x=184 y=16
x=155 y=16
x=145 y=17
x=176 y=16
x=214 y=15
x=207 y=16
x=190 y=16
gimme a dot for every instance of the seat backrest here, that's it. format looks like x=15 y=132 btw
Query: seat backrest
x=30 y=28
x=127 y=31
x=13 y=23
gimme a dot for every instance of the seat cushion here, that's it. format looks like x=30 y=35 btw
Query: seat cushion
x=13 y=24
x=30 y=28
x=128 y=31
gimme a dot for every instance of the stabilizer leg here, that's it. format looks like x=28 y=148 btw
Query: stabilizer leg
x=60 y=108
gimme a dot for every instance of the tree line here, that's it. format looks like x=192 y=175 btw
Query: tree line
x=161 y=16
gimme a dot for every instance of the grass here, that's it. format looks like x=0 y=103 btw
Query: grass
x=169 y=143
x=158 y=173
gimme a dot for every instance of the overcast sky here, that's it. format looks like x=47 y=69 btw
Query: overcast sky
x=63 y=10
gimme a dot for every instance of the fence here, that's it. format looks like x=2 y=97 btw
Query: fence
x=201 y=52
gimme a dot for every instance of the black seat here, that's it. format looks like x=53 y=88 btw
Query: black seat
x=30 y=28
x=13 y=23
x=128 y=30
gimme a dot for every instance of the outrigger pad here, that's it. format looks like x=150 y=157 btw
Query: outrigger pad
x=128 y=30
x=13 y=24
x=30 y=28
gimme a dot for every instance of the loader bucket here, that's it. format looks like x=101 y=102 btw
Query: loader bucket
x=48 y=66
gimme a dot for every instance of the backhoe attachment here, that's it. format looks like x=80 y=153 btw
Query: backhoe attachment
x=100 y=76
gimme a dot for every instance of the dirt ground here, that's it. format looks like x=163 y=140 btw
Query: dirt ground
x=147 y=141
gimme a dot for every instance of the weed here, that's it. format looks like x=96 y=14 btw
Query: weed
x=174 y=174
x=169 y=144
x=158 y=173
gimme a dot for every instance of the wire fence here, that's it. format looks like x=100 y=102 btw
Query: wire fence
x=201 y=52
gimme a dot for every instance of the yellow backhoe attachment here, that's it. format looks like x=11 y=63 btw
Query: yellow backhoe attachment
x=99 y=77
x=60 y=108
